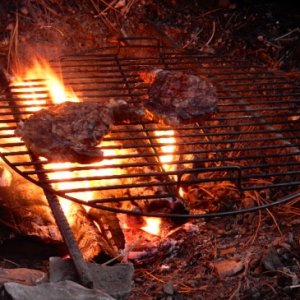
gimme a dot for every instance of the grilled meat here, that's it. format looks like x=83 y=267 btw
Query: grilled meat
x=176 y=97
x=71 y=131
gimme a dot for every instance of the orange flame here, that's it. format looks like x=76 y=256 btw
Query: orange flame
x=38 y=84
x=42 y=72
x=170 y=147
x=153 y=225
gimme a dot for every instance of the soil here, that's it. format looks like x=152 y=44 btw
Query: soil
x=250 y=256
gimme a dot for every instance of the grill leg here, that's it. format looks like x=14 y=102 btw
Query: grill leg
x=67 y=234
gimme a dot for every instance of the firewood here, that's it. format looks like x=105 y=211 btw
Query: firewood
x=24 y=208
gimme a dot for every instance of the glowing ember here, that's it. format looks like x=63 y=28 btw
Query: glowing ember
x=152 y=225
x=169 y=148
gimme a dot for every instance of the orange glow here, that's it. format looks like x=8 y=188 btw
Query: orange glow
x=152 y=225
x=35 y=87
x=166 y=159
x=42 y=81
x=181 y=192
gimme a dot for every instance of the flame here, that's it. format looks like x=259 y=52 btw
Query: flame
x=42 y=81
x=153 y=225
x=39 y=84
x=35 y=86
x=170 y=147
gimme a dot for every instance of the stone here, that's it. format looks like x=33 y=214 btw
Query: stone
x=63 y=290
x=271 y=260
x=169 y=288
x=228 y=267
x=115 y=280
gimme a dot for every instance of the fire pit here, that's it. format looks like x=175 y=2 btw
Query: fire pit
x=212 y=167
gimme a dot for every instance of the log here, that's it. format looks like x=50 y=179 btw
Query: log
x=24 y=208
x=23 y=276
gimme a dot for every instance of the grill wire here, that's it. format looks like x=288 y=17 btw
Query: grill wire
x=250 y=144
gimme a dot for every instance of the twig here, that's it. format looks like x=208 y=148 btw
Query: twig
x=48 y=26
x=236 y=291
x=109 y=6
x=212 y=34
x=275 y=221
x=124 y=253
x=271 y=287
x=95 y=6
x=11 y=262
x=152 y=276
x=294 y=286
x=129 y=5
x=13 y=44
x=107 y=22
x=193 y=39
x=49 y=8
x=251 y=241
x=287 y=34
x=210 y=12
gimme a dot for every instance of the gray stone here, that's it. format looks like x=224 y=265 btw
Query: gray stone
x=64 y=290
x=115 y=280
x=271 y=260
x=169 y=288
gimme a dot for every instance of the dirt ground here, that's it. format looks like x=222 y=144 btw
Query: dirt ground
x=251 y=256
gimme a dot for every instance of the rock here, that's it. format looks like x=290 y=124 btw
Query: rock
x=228 y=267
x=64 y=290
x=24 y=10
x=169 y=288
x=22 y=275
x=271 y=260
x=115 y=280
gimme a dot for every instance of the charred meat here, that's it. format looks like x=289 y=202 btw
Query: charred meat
x=71 y=131
x=176 y=97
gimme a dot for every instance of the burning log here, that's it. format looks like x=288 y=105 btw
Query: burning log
x=112 y=238
x=24 y=208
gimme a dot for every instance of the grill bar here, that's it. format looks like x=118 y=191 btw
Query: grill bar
x=252 y=142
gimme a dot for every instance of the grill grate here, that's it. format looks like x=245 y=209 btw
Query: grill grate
x=251 y=144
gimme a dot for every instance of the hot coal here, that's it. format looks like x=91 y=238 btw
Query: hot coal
x=71 y=131
x=176 y=97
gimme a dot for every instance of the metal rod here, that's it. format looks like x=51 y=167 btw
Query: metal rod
x=59 y=216
x=69 y=239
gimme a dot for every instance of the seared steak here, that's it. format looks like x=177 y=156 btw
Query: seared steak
x=71 y=131
x=176 y=97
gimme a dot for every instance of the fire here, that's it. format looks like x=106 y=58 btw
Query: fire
x=153 y=225
x=41 y=72
x=40 y=83
x=166 y=159
x=169 y=149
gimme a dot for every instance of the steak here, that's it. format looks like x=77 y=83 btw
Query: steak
x=176 y=97
x=72 y=131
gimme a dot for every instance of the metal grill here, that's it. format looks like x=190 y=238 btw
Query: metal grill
x=251 y=143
